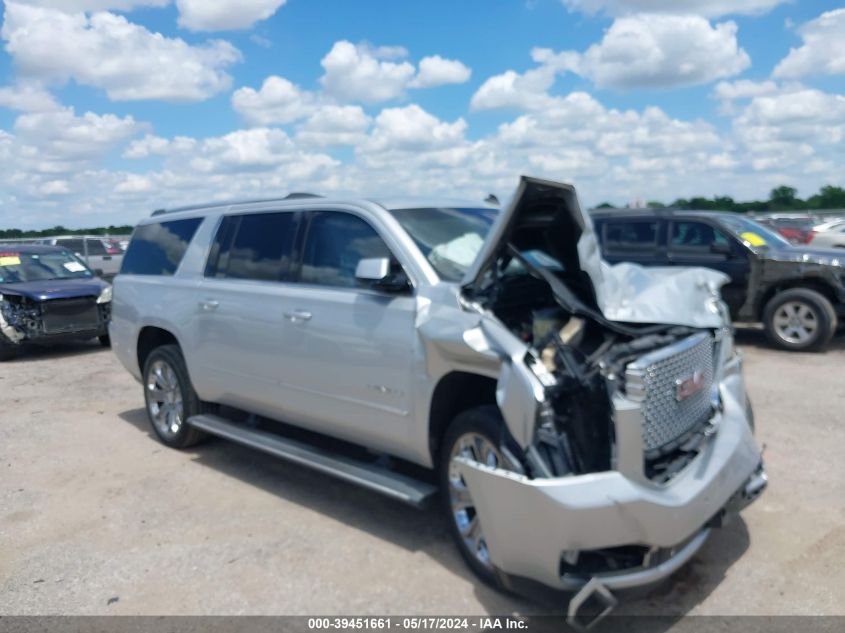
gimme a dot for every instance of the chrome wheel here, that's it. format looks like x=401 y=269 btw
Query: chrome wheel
x=796 y=322
x=164 y=398
x=476 y=447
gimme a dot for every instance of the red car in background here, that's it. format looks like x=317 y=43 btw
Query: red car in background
x=796 y=230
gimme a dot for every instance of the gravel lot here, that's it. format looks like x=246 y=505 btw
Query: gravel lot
x=96 y=517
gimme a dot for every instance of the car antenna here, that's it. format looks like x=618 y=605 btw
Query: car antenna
x=492 y=199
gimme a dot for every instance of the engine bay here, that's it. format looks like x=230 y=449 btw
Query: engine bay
x=584 y=353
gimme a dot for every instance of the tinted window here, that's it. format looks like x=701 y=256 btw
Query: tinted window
x=633 y=235
x=254 y=246
x=77 y=246
x=695 y=236
x=96 y=247
x=157 y=249
x=336 y=242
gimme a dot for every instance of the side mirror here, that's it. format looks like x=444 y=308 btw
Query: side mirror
x=98 y=272
x=722 y=249
x=372 y=270
x=375 y=273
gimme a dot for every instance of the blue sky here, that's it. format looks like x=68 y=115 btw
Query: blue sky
x=109 y=108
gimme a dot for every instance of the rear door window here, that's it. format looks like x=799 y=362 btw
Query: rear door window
x=334 y=245
x=627 y=236
x=689 y=236
x=73 y=245
x=256 y=246
x=96 y=247
x=158 y=249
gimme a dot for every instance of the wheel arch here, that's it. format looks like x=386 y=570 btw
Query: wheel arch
x=456 y=392
x=151 y=337
x=811 y=283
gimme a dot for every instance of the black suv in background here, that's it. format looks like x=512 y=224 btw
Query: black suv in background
x=797 y=292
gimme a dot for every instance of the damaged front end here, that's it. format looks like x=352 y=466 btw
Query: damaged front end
x=625 y=396
x=20 y=318
x=24 y=319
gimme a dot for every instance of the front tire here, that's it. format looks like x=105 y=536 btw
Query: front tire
x=170 y=398
x=478 y=434
x=799 y=320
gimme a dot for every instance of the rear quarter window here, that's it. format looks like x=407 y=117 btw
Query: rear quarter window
x=157 y=249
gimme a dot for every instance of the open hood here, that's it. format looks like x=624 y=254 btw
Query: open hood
x=545 y=215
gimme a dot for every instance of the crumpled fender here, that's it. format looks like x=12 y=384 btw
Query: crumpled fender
x=456 y=339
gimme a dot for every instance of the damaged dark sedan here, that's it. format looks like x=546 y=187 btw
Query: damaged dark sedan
x=47 y=295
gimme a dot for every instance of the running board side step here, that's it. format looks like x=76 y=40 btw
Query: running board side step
x=395 y=485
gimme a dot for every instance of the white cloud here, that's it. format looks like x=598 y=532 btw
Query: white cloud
x=657 y=51
x=526 y=91
x=413 y=129
x=436 y=71
x=788 y=129
x=105 y=50
x=708 y=8
x=644 y=51
x=728 y=92
x=75 y=6
x=55 y=188
x=27 y=97
x=361 y=73
x=255 y=150
x=333 y=125
x=133 y=183
x=63 y=136
x=277 y=101
x=823 y=51
x=743 y=89
x=223 y=15
x=152 y=145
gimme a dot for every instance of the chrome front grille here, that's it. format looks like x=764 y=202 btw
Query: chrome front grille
x=674 y=385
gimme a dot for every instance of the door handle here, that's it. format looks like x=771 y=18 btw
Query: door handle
x=297 y=316
x=209 y=304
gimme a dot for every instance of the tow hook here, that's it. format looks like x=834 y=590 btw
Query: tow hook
x=756 y=484
x=595 y=597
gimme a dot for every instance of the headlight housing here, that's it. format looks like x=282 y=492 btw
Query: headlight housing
x=105 y=295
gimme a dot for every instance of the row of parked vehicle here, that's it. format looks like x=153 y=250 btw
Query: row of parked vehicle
x=826 y=231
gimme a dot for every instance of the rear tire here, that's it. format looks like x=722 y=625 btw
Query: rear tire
x=799 y=319
x=480 y=434
x=7 y=351
x=170 y=398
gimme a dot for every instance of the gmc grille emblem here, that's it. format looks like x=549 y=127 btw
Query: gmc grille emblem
x=686 y=387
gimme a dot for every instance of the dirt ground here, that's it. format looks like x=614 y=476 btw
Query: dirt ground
x=96 y=517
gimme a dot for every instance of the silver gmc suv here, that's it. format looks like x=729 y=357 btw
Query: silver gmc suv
x=586 y=425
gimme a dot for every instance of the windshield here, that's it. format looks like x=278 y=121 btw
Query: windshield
x=449 y=238
x=17 y=267
x=753 y=233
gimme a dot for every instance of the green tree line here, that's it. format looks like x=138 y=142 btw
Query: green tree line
x=125 y=229
x=781 y=198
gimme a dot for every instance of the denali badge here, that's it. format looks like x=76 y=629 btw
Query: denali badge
x=686 y=387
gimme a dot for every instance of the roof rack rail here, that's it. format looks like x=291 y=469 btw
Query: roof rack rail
x=297 y=195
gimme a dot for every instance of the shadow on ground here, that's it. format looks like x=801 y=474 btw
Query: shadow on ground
x=31 y=352
x=755 y=337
